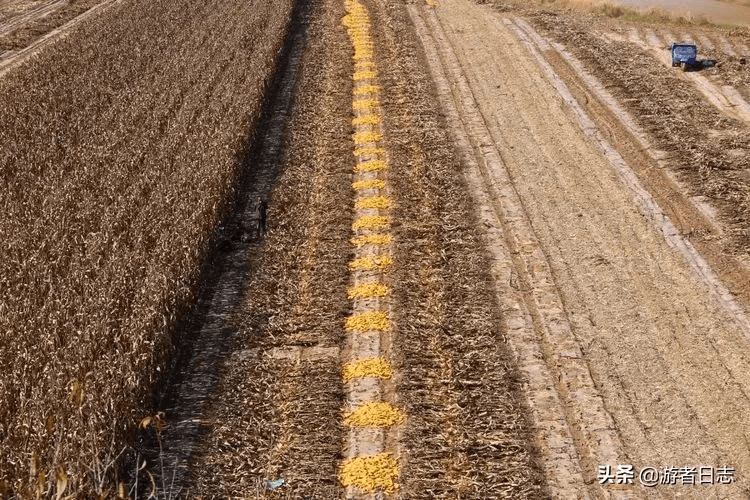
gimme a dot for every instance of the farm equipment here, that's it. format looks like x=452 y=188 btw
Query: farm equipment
x=684 y=54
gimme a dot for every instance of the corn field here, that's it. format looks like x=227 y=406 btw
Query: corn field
x=119 y=148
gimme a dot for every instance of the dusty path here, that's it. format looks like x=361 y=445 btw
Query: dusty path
x=651 y=369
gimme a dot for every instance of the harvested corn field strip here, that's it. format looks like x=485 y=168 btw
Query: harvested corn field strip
x=416 y=270
x=466 y=434
x=369 y=469
x=276 y=416
x=205 y=339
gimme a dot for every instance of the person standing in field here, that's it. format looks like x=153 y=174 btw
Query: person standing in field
x=261 y=208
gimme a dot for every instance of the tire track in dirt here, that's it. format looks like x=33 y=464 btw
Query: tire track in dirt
x=468 y=434
x=693 y=217
x=649 y=206
x=705 y=149
x=725 y=98
x=561 y=459
x=530 y=338
x=621 y=285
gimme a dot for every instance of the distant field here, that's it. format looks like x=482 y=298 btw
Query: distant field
x=22 y=23
x=616 y=9
x=120 y=146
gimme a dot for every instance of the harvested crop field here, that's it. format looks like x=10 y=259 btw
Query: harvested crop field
x=369 y=249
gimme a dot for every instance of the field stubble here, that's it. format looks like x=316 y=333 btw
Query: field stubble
x=702 y=143
x=468 y=433
x=277 y=408
x=121 y=147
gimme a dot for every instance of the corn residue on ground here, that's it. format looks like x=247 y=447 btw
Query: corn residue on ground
x=367 y=137
x=375 y=414
x=373 y=202
x=367 y=321
x=371 y=473
x=371 y=166
x=368 y=290
x=369 y=263
x=366 y=368
x=367 y=120
x=371 y=222
x=369 y=184
x=372 y=239
x=371 y=228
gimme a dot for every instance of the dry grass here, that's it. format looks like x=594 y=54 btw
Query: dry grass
x=120 y=147
x=26 y=34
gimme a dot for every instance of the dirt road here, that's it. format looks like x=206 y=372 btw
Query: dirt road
x=647 y=353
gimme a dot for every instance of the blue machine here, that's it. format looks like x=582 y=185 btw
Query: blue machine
x=684 y=54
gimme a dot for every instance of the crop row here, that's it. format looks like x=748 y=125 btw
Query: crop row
x=370 y=318
x=121 y=144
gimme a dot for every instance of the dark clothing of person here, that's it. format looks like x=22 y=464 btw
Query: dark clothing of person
x=262 y=214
